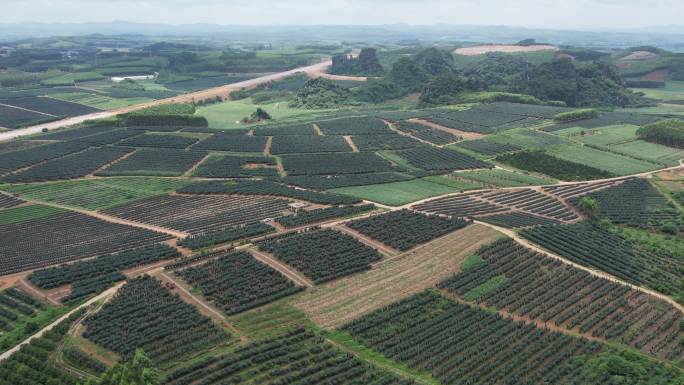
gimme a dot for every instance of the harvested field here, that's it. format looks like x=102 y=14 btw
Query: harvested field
x=336 y=303
x=483 y=49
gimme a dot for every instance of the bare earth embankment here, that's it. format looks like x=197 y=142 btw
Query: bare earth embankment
x=483 y=49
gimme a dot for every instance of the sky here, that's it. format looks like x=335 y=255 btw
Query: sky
x=552 y=14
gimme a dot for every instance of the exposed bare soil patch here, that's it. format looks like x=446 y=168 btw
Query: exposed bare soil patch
x=483 y=49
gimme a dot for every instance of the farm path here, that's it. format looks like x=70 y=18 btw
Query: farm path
x=222 y=91
x=284 y=269
x=105 y=295
x=111 y=219
x=385 y=250
x=24 y=284
x=402 y=133
x=462 y=134
x=539 y=324
x=598 y=273
x=203 y=306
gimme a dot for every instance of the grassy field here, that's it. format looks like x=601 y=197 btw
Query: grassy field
x=24 y=325
x=653 y=151
x=623 y=139
x=26 y=213
x=269 y=321
x=525 y=138
x=673 y=90
x=229 y=114
x=96 y=194
x=661 y=109
x=602 y=136
x=347 y=342
x=398 y=193
x=501 y=178
x=454 y=181
x=338 y=302
x=614 y=163
x=99 y=101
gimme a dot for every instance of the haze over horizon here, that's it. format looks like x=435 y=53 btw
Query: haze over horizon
x=594 y=15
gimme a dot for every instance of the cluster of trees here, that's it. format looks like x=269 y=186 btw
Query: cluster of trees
x=434 y=74
x=138 y=371
x=591 y=84
x=321 y=93
x=669 y=132
x=366 y=64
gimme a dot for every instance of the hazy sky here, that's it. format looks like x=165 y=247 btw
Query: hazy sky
x=558 y=14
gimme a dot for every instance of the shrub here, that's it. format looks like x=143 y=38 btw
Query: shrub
x=571 y=116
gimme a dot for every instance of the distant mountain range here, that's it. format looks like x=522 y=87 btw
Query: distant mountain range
x=668 y=37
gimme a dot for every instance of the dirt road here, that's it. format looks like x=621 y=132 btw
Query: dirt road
x=222 y=91
x=102 y=296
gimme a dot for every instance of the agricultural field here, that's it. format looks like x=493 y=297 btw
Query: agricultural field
x=216 y=237
x=173 y=330
x=500 y=178
x=394 y=221
x=615 y=164
x=342 y=163
x=326 y=182
x=634 y=202
x=321 y=255
x=96 y=194
x=233 y=166
x=426 y=133
x=299 y=354
x=198 y=214
x=594 y=246
x=396 y=193
x=154 y=162
x=95 y=275
x=69 y=167
x=451 y=340
x=383 y=142
x=302 y=144
x=16 y=160
x=265 y=188
x=11 y=117
x=27 y=364
x=555 y=167
x=21 y=314
x=236 y=282
x=404 y=229
x=436 y=159
x=354 y=126
x=49 y=106
x=317 y=215
x=227 y=141
x=32 y=238
x=528 y=284
x=160 y=141
x=100 y=101
x=343 y=300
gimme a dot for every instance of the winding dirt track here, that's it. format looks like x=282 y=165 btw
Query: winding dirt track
x=313 y=70
x=102 y=296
